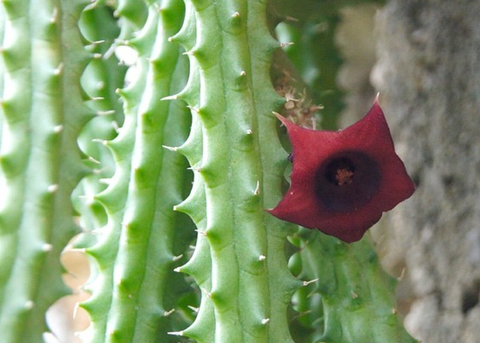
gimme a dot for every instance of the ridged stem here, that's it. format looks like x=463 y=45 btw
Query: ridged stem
x=358 y=296
x=136 y=288
x=101 y=78
x=200 y=264
x=42 y=112
x=241 y=168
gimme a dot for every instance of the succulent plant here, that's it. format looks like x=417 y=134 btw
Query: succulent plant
x=163 y=179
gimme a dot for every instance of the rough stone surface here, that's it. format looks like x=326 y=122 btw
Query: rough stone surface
x=428 y=74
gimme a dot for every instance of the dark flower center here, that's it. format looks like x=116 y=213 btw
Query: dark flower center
x=347 y=181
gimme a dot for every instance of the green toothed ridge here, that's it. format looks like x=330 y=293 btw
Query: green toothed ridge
x=41 y=114
x=135 y=292
x=358 y=296
x=199 y=265
x=241 y=167
x=2 y=67
x=135 y=13
x=100 y=80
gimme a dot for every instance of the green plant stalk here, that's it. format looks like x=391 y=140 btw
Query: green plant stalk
x=2 y=67
x=358 y=296
x=135 y=13
x=136 y=288
x=104 y=74
x=200 y=264
x=100 y=80
x=42 y=112
x=241 y=167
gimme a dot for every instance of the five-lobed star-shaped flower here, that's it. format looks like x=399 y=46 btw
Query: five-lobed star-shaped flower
x=342 y=181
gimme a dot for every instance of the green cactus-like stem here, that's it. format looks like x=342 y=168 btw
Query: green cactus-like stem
x=2 y=66
x=42 y=112
x=199 y=266
x=104 y=72
x=241 y=166
x=136 y=287
x=135 y=13
x=358 y=296
x=100 y=80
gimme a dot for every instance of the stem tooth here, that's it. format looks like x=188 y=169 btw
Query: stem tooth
x=170 y=97
x=58 y=128
x=306 y=283
x=257 y=189
x=59 y=69
x=47 y=247
x=54 y=17
x=105 y=113
x=170 y=148
x=176 y=258
x=194 y=309
x=175 y=333
x=52 y=188
x=168 y=313
x=282 y=45
x=29 y=304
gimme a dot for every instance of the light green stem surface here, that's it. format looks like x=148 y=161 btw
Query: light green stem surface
x=42 y=112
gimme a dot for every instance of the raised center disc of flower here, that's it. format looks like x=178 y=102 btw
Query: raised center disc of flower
x=344 y=177
x=340 y=172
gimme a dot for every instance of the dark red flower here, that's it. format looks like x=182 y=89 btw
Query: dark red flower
x=342 y=181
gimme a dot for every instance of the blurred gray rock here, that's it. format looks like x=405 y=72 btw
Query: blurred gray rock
x=428 y=74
